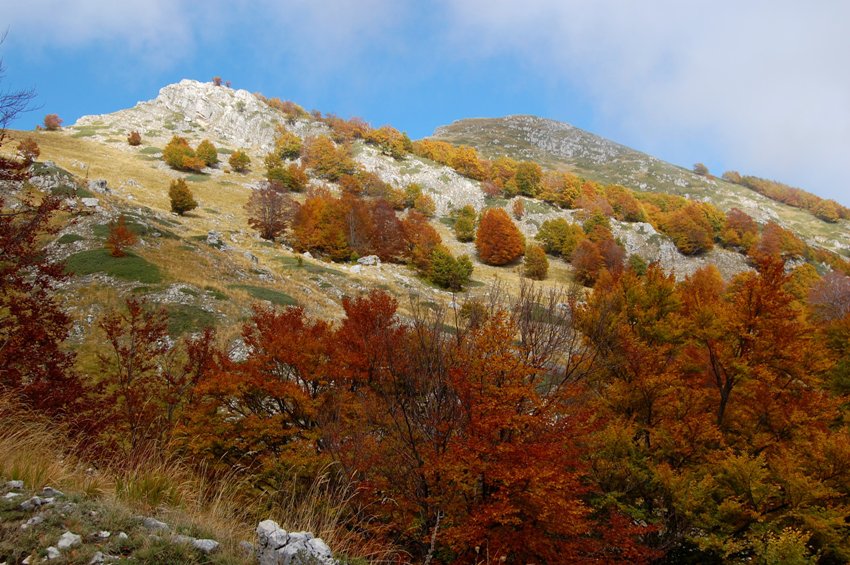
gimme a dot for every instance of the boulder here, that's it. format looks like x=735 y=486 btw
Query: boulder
x=370 y=261
x=15 y=485
x=153 y=524
x=99 y=185
x=68 y=540
x=90 y=202
x=276 y=546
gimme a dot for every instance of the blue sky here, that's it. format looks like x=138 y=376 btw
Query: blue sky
x=762 y=87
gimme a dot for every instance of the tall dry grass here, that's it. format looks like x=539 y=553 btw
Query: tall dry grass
x=223 y=506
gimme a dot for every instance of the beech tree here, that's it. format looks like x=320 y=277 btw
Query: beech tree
x=239 y=161
x=181 y=197
x=28 y=151
x=120 y=237
x=536 y=265
x=464 y=226
x=52 y=122
x=498 y=240
x=179 y=155
x=207 y=152
x=270 y=212
x=134 y=138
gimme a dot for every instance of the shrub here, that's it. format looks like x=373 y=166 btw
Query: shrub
x=464 y=227
x=270 y=212
x=518 y=209
x=701 y=169
x=216 y=81
x=207 y=152
x=527 y=178
x=291 y=177
x=181 y=197
x=28 y=150
x=447 y=271
x=134 y=138
x=179 y=155
x=560 y=237
x=52 y=122
x=536 y=265
x=327 y=160
x=239 y=161
x=120 y=237
x=288 y=145
x=498 y=240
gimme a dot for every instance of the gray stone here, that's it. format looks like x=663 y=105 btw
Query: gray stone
x=17 y=485
x=53 y=553
x=90 y=202
x=35 y=502
x=275 y=546
x=11 y=495
x=205 y=545
x=99 y=185
x=51 y=492
x=122 y=536
x=370 y=260
x=103 y=534
x=153 y=524
x=34 y=521
x=97 y=558
x=68 y=540
x=356 y=269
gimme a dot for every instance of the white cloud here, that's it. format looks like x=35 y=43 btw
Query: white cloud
x=763 y=84
x=157 y=31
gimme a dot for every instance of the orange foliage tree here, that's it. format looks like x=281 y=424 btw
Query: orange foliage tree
x=120 y=237
x=498 y=240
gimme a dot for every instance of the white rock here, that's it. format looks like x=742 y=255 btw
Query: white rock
x=370 y=260
x=356 y=269
x=17 y=485
x=53 y=553
x=51 y=492
x=97 y=558
x=153 y=523
x=103 y=534
x=34 y=521
x=90 y=202
x=205 y=545
x=69 y=539
x=122 y=536
x=11 y=495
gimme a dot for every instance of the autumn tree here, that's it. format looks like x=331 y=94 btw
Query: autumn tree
x=535 y=265
x=526 y=180
x=465 y=160
x=327 y=160
x=130 y=362
x=207 y=152
x=52 y=122
x=390 y=141
x=498 y=240
x=464 y=223
x=690 y=229
x=28 y=151
x=216 y=80
x=560 y=237
x=518 y=209
x=120 y=237
x=448 y=271
x=421 y=239
x=239 y=161
x=321 y=226
x=270 y=212
x=701 y=169
x=740 y=230
x=287 y=145
x=178 y=154
x=134 y=138
x=181 y=197
x=34 y=364
x=290 y=177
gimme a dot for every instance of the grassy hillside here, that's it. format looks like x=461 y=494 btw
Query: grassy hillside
x=561 y=146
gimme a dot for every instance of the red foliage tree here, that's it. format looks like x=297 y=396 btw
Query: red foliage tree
x=270 y=212
x=120 y=237
x=498 y=240
x=52 y=122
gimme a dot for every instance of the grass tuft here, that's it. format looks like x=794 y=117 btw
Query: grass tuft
x=131 y=267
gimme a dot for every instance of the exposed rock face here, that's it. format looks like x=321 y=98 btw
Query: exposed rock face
x=197 y=109
x=448 y=189
x=276 y=546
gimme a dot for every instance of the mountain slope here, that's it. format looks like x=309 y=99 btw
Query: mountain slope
x=563 y=146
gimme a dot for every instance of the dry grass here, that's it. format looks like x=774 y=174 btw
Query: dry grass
x=39 y=452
